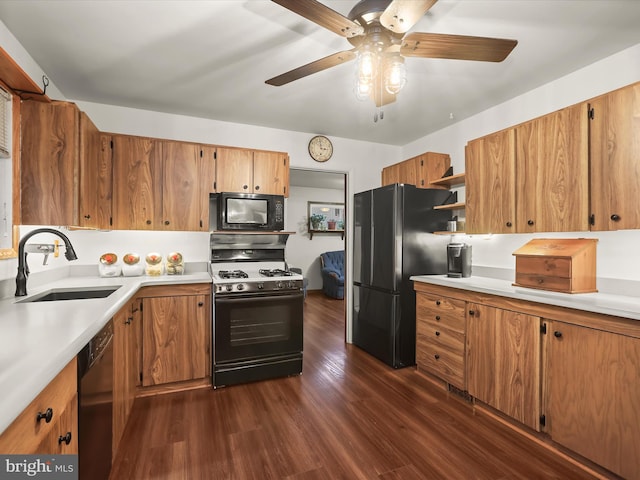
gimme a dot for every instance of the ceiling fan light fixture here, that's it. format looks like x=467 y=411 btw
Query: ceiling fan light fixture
x=395 y=74
x=362 y=90
x=367 y=61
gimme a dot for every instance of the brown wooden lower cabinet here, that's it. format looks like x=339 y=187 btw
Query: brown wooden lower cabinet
x=51 y=419
x=594 y=395
x=126 y=369
x=176 y=326
x=570 y=375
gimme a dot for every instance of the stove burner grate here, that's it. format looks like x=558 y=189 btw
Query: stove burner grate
x=275 y=272
x=232 y=274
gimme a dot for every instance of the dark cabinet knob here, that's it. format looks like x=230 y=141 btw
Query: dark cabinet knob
x=529 y=222
x=201 y=304
x=615 y=217
x=437 y=302
x=244 y=187
x=87 y=217
x=128 y=321
x=66 y=439
x=148 y=222
x=167 y=222
x=509 y=224
x=47 y=415
x=257 y=187
x=437 y=317
x=557 y=334
x=436 y=356
x=472 y=313
x=437 y=333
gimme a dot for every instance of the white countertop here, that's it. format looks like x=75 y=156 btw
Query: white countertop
x=38 y=339
x=605 y=303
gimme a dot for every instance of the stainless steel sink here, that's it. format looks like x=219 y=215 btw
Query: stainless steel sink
x=58 y=294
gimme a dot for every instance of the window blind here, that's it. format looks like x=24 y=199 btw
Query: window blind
x=5 y=111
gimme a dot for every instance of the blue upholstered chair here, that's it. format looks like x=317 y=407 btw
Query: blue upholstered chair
x=332 y=264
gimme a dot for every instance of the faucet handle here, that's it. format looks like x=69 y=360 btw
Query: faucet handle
x=46 y=257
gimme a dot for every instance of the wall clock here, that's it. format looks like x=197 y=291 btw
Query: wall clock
x=320 y=148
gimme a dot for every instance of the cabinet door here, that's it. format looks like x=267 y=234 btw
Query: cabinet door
x=552 y=172
x=271 y=173
x=594 y=396
x=181 y=202
x=175 y=339
x=391 y=174
x=49 y=163
x=503 y=361
x=124 y=377
x=490 y=184
x=207 y=173
x=137 y=183
x=95 y=176
x=615 y=150
x=432 y=166
x=234 y=170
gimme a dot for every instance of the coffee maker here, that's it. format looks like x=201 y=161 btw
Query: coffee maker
x=458 y=260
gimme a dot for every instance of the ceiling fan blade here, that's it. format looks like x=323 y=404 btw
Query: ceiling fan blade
x=311 y=68
x=401 y=15
x=323 y=16
x=457 y=47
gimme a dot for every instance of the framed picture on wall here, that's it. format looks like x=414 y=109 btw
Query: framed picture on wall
x=325 y=217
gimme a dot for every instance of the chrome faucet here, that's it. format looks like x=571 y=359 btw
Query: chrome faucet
x=23 y=268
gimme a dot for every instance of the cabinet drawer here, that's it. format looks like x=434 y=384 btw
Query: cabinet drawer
x=543 y=282
x=442 y=363
x=27 y=432
x=551 y=266
x=445 y=311
x=434 y=335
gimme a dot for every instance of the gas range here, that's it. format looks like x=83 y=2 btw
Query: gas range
x=253 y=277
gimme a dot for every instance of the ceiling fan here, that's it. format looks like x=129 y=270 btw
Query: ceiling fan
x=377 y=29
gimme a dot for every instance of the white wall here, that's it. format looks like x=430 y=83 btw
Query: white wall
x=621 y=69
x=302 y=251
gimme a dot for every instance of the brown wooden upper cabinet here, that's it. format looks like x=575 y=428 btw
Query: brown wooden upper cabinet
x=160 y=184
x=615 y=159
x=50 y=163
x=490 y=183
x=552 y=172
x=530 y=178
x=419 y=171
x=95 y=176
x=252 y=171
x=571 y=170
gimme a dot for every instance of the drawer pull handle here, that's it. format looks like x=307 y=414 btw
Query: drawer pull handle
x=436 y=356
x=437 y=333
x=66 y=439
x=557 y=334
x=167 y=222
x=437 y=317
x=472 y=313
x=615 y=218
x=47 y=415
x=529 y=222
x=437 y=302
x=509 y=224
x=148 y=222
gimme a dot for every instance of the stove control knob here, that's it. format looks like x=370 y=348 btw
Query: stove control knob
x=260 y=286
x=279 y=285
x=292 y=284
x=229 y=288
x=241 y=286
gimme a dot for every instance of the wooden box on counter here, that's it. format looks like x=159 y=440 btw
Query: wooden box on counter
x=566 y=265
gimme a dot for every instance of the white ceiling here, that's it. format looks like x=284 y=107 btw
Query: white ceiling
x=210 y=59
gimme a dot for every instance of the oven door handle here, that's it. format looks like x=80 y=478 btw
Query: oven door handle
x=219 y=299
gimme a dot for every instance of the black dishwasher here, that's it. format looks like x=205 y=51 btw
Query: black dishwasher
x=95 y=414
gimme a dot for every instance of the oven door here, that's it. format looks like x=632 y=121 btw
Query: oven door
x=257 y=325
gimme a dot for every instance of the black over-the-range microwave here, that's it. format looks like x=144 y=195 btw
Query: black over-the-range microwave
x=246 y=211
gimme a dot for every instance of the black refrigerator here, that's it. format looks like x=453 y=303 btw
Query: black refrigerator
x=393 y=241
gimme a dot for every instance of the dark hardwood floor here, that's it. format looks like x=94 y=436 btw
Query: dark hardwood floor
x=348 y=416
